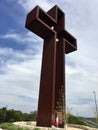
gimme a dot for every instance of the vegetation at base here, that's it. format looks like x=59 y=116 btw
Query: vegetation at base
x=75 y=120
x=11 y=115
x=91 y=122
x=10 y=126
x=14 y=115
x=36 y=128
x=96 y=116
x=7 y=126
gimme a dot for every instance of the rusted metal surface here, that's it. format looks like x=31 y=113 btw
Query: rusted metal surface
x=51 y=27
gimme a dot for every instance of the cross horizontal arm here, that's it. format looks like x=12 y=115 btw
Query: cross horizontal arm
x=39 y=22
x=69 y=47
x=71 y=42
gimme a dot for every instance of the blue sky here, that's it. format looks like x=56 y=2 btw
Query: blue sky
x=21 y=53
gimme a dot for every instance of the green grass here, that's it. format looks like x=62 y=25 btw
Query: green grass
x=75 y=120
x=10 y=126
x=36 y=128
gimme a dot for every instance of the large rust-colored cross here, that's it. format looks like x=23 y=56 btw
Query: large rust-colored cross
x=57 y=42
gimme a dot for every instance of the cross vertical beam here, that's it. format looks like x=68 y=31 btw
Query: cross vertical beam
x=40 y=23
x=60 y=81
x=47 y=84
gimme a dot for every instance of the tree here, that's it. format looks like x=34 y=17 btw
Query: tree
x=3 y=114
x=14 y=115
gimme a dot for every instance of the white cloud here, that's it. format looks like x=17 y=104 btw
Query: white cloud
x=21 y=38
x=15 y=102
x=29 y=4
x=20 y=77
x=81 y=82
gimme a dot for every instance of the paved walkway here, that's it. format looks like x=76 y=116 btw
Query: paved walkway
x=70 y=128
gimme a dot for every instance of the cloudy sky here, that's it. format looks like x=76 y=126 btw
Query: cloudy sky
x=21 y=53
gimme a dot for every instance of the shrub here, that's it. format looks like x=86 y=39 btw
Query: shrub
x=75 y=120
x=36 y=129
x=20 y=128
x=8 y=126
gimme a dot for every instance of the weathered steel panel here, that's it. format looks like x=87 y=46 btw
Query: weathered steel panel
x=51 y=27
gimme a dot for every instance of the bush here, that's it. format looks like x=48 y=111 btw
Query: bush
x=36 y=129
x=12 y=115
x=20 y=128
x=10 y=126
x=75 y=120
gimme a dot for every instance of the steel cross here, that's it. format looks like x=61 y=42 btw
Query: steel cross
x=50 y=26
